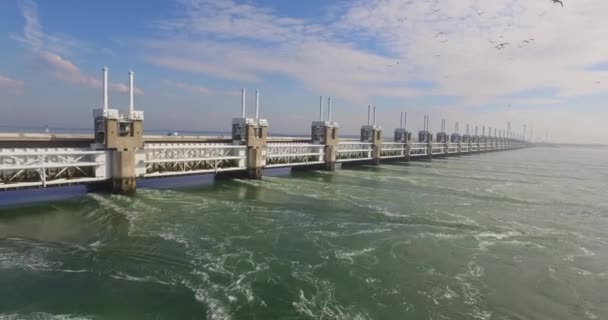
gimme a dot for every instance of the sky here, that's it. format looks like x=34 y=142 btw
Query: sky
x=483 y=63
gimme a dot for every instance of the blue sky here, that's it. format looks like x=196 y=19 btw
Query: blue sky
x=191 y=57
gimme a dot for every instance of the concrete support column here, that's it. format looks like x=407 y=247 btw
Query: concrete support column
x=331 y=147
x=447 y=148
x=405 y=137
x=124 y=178
x=123 y=136
x=429 y=146
x=256 y=141
x=376 y=145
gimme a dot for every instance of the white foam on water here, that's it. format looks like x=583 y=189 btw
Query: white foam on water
x=470 y=293
x=169 y=236
x=132 y=216
x=323 y=306
x=487 y=239
x=475 y=270
x=590 y=315
x=462 y=219
x=397 y=244
x=480 y=314
x=438 y=235
x=34 y=259
x=586 y=253
x=127 y=277
x=352 y=255
x=42 y=316
x=72 y=270
x=216 y=309
x=497 y=236
x=371 y=231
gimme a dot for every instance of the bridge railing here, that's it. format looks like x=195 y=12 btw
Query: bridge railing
x=438 y=148
x=353 y=151
x=452 y=148
x=474 y=147
x=293 y=154
x=392 y=150
x=419 y=149
x=465 y=148
x=25 y=167
x=192 y=158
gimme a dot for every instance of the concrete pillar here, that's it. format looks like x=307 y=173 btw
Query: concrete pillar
x=331 y=147
x=405 y=137
x=408 y=147
x=123 y=136
x=326 y=133
x=124 y=179
x=376 y=145
x=430 y=146
x=256 y=140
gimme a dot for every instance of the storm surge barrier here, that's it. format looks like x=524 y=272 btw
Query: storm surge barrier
x=118 y=153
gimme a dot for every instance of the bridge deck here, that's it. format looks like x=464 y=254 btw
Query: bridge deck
x=40 y=160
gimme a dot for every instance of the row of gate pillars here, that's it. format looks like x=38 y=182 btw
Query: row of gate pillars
x=121 y=134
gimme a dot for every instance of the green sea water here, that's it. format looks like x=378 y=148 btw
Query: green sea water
x=509 y=235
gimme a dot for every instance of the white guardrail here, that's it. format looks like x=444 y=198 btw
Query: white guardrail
x=353 y=151
x=419 y=149
x=438 y=148
x=293 y=154
x=452 y=148
x=392 y=150
x=157 y=160
x=30 y=167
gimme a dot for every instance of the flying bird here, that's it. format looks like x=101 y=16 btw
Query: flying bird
x=501 y=46
x=526 y=42
x=558 y=2
x=480 y=13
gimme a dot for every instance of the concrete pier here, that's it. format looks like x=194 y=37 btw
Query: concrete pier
x=257 y=136
x=122 y=136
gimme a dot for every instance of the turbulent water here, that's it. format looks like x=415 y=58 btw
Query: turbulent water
x=511 y=235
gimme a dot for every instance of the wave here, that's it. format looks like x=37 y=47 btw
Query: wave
x=44 y=316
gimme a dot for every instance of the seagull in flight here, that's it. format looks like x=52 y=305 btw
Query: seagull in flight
x=558 y=2
x=480 y=13
x=501 y=46
x=401 y=19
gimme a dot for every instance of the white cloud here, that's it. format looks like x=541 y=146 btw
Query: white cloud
x=8 y=83
x=451 y=43
x=189 y=87
x=565 y=42
x=48 y=49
